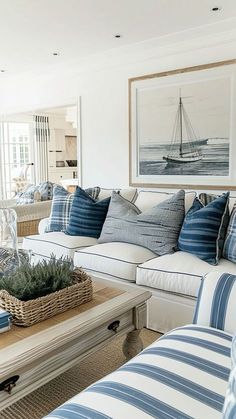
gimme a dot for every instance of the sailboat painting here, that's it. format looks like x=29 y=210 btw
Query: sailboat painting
x=184 y=130
x=187 y=152
x=181 y=129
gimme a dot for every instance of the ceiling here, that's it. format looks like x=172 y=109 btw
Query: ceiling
x=31 y=30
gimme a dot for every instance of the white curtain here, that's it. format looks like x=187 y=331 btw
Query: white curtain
x=42 y=137
x=2 y=166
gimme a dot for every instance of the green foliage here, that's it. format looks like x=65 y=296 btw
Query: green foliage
x=32 y=281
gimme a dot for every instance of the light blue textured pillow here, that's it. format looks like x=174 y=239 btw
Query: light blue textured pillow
x=156 y=229
x=204 y=229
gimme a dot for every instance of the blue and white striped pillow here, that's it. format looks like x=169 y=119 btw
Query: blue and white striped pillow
x=216 y=302
x=87 y=215
x=229 y=251
x=204 y=229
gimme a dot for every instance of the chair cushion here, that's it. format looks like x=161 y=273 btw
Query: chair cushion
x=204 y=229
x=118 y=260
x=216 y=302
x=156 y=229
x=179 y=273
x=182 y=375
x=58 y=243
x=87 y=215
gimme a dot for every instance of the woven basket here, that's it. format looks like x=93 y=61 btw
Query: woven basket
x=27 y=228
x=27 y=313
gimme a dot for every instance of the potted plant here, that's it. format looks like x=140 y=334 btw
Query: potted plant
x=33 y=293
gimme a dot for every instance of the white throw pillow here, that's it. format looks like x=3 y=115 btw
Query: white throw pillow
x=148 y=199
x=130 y=194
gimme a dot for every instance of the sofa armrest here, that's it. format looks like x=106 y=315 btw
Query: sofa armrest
x=216 y=302
x=43 y=225
x=35 y=211
x=7 y=203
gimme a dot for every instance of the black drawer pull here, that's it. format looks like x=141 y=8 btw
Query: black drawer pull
x=114 y=326
x=8 y=384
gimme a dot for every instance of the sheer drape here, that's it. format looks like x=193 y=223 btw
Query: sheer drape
x=42 y=138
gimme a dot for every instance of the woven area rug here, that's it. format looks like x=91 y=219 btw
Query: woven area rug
x=46 y=398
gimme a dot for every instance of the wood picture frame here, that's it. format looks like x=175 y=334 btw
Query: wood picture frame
x=208 y=93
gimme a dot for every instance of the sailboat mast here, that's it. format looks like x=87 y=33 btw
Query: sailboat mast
x=181 y=126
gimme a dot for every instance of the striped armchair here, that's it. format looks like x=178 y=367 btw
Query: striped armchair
x=182 y=375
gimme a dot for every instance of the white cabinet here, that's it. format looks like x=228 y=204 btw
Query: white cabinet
x=62 y=173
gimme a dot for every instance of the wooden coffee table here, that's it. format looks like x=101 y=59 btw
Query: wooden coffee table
x=39 y=353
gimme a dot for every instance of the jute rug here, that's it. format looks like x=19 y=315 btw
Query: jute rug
x=45 y=399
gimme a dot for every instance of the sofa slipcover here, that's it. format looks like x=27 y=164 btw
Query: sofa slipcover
x=178 y=273
x=182 y=375
x=115 y=259
x=57 y=243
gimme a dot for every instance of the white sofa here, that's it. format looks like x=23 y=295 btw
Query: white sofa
x=173 y=279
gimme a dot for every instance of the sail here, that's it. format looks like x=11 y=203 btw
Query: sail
x=184 y=146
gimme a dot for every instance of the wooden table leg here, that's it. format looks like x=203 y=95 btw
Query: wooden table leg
x=133 y=344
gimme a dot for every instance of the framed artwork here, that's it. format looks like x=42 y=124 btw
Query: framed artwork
x=182 y=127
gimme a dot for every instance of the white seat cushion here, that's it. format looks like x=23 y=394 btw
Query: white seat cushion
x=180 y=272
x=58 y=243
x=115 y=259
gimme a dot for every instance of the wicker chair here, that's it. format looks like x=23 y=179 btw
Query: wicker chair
x=28 y=216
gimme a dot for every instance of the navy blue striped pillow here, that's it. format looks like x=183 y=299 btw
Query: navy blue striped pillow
x=87 y=215
x=204 y=229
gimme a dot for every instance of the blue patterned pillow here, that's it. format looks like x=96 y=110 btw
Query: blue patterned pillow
x=229 y=251
x=60 y=211
x=61 y=207
x=204 y=229
x=87 y=215
x=27 y=195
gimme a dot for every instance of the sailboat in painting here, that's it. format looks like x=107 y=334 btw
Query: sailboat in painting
x=183 y=150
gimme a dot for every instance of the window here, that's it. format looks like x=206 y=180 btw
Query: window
x=15 y=152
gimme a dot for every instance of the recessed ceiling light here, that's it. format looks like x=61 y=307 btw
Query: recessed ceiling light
x=117 y=35
x=55 y=54
x=216 y=9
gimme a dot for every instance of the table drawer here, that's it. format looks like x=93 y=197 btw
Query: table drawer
x=45 y=368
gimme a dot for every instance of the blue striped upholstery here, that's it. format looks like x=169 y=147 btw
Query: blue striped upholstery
x=87 y=215
x=182 y=375
x=229 y=251
x=216 y=302
x=229 y=411
x=204 y=229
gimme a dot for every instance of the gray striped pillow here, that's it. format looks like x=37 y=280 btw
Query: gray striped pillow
x=156 y=229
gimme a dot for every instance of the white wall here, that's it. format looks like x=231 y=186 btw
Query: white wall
x=102 y=83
